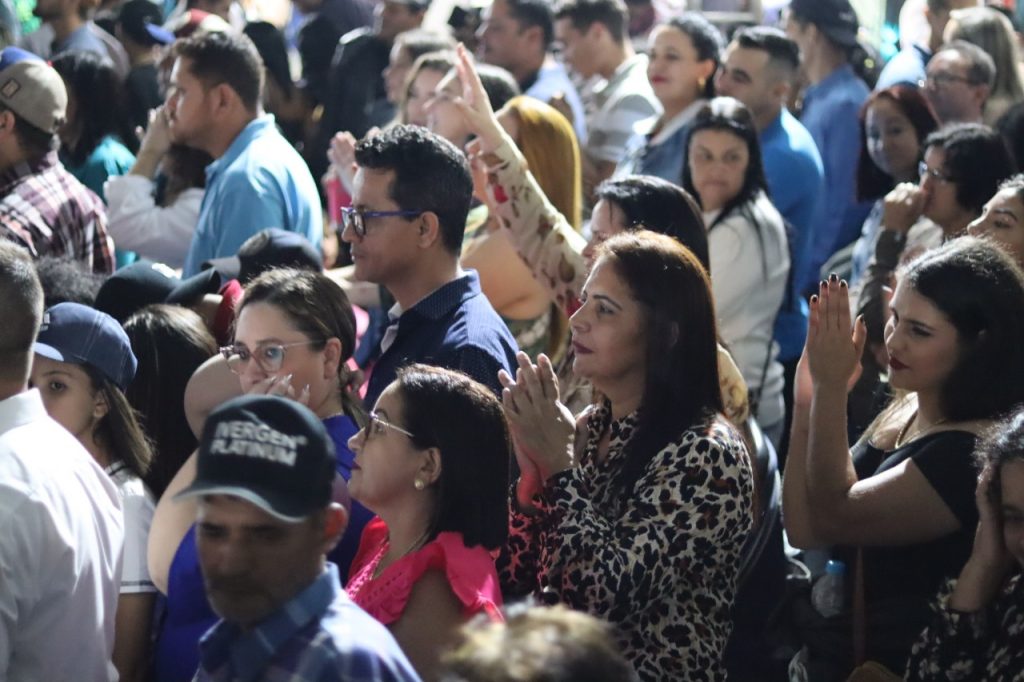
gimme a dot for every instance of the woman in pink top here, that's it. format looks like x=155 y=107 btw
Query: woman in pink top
x=433 y=464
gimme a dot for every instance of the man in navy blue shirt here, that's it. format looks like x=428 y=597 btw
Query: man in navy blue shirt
x=411 y=196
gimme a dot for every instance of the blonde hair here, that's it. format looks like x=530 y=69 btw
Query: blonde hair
x=552 y=153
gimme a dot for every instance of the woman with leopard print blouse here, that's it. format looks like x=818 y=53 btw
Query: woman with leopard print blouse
x=637 y=510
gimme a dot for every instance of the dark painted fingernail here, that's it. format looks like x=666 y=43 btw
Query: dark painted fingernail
x=833 y=277
x=814 y=298
x=842 y=284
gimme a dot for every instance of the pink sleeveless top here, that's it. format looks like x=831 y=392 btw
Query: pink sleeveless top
x=470 y=572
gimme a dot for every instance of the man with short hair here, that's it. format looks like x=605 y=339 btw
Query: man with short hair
x=908 y=65
x=265 y=523
x=257 y=179
x=68 y=27
x=356 y=98
x=826 y=33
x=595 y=42
x=517 y=36
x=61 y=525
x=42 y=206
x=958 y=82
x=759 y=68
x=412 y=192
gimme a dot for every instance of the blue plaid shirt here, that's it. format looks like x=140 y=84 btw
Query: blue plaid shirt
x=319 y=635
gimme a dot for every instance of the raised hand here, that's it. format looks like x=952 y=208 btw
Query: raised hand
x=157 y=138
x=280 y=385
x=542 y=427
x=989 y=548
x=474 y=105
x=834 y=345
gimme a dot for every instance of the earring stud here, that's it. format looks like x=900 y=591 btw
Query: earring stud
x=419 y=484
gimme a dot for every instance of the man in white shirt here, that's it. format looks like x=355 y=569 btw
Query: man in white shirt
x=61 y=528
x=594 y=42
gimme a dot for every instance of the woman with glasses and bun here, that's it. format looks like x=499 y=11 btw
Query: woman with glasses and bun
x=294 y=332
x=433 y=464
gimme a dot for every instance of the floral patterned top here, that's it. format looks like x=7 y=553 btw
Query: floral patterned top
x=661 y=563
x=988 y=645
x=553 y=251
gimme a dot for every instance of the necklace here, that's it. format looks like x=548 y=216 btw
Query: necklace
x=900 y=442
x=379 y=568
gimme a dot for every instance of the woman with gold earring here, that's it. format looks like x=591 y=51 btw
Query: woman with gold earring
x=433 y=464
x=684 y=55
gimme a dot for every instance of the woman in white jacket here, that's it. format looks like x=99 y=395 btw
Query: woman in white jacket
x=747 y=244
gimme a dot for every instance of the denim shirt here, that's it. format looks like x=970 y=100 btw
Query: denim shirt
x=662 y=154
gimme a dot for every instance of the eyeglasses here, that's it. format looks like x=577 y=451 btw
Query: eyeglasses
x=923 y=170
x=942 y=79
x=355 y=219
x=377 y=426
x=269 y=357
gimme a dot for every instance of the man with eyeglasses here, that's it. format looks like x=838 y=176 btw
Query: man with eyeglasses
x=958 y=82
x=908 y=65
x=411 y=196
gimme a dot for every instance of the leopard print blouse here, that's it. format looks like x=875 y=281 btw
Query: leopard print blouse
x=661 y=564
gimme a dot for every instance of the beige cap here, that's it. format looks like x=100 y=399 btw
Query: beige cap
x=32 y=89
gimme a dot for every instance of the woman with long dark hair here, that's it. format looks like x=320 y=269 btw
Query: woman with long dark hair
x=747 y=245
x=898 y=507
x=97 y=140
x=638 y=513
x=83 y=365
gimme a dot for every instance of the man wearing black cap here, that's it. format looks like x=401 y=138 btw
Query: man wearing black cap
x=264 y=526
x=826 y=32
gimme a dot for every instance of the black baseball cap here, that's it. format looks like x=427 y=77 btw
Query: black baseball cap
x=267 y=450
x=140 y=20
x=835 y=18
x=135 y=286
x=268 y=249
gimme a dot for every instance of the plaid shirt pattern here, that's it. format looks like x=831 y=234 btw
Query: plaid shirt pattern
x=46 y=210
x=318 y=636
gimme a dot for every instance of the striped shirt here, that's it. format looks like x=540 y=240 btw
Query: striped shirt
x=46 y=210
x=319 y=635
x=620 y=103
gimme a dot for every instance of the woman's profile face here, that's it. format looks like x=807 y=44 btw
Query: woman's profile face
x=606 y=221
x=386 y=462
x=264 y=330
x=420 y=90
x=69 y=395
x=609 y=331
x=718 y=165
x=892 y=140
x=399 y=63
x=443 y=118
x=1002 y=221
x=922 y=343
x=1011 y=498
x=938 y=184
x=674 y=69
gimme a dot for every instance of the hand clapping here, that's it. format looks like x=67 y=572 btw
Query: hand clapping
x=832 y=352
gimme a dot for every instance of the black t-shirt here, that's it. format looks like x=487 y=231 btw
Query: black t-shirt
x=900 y=582
x=143 y=93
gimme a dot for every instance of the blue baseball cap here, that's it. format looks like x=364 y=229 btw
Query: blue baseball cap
x=76 y=333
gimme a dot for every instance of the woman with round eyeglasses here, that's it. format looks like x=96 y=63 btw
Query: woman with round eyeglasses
x=294 y=332
x=433 y=464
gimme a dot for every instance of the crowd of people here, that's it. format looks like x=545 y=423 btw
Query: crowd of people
x=589 y=339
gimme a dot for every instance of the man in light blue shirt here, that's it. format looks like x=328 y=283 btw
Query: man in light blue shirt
x=758 y=68
x=826 y=32
x=257 y=179
x=517 y=35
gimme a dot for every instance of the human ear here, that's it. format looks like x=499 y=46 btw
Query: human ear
x=100 y=405
x=430 y=468
x=335 y=522
x=429 y=229
x=332 y=357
